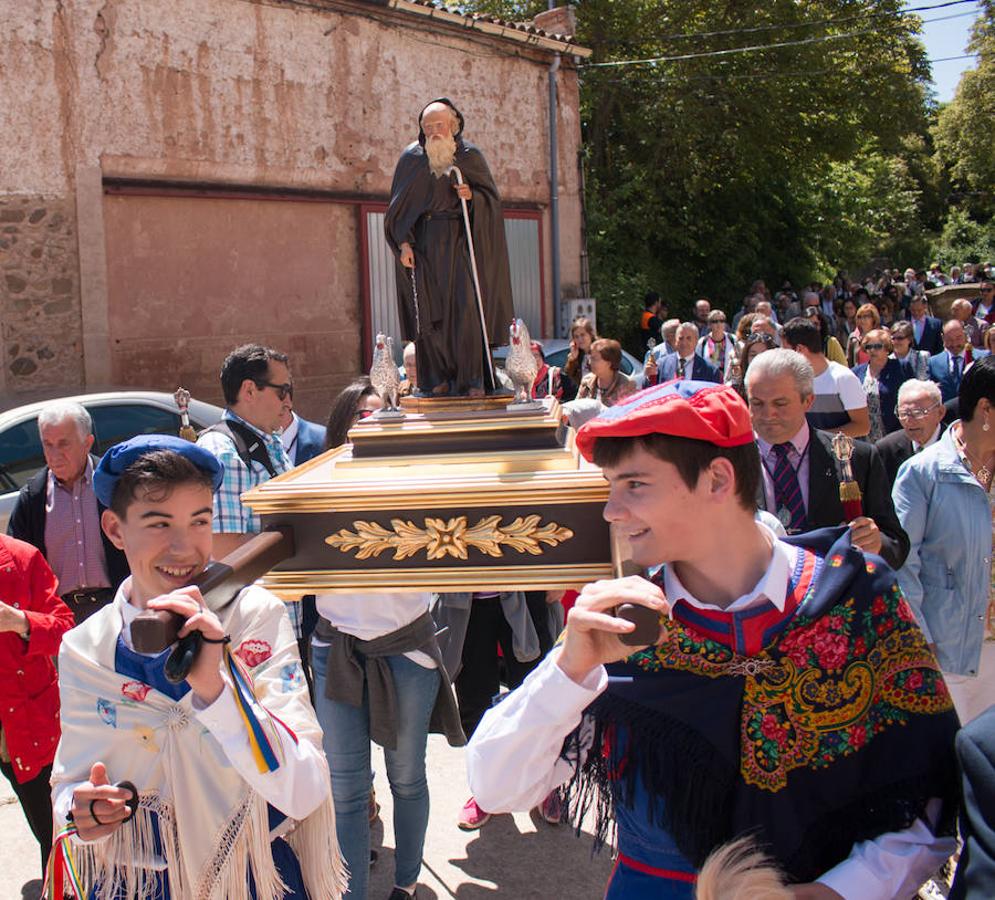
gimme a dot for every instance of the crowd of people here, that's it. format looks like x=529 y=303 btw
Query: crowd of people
x=251 y=776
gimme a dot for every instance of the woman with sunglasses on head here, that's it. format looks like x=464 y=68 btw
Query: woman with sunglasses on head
x=917 y=361
x=867 y=319
x=378 y=677
x=881 y=378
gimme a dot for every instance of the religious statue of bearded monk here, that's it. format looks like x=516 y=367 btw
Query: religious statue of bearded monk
x=424 y=226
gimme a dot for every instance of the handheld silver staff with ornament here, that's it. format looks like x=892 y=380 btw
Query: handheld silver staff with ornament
x=187 y=431
x=850 y=496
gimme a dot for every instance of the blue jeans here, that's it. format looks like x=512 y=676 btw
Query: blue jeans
x=347 y=746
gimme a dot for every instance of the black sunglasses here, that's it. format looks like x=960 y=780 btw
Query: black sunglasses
x=282 y=390
x=874 y=346
x=758 y=337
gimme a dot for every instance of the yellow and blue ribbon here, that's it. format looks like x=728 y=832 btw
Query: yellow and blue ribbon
x=252 y=715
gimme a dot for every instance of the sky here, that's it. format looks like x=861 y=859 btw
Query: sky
x=947 y=38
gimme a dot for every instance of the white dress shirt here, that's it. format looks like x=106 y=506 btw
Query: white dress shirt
x=289 y=438
x=513 y=758
x=932 y=440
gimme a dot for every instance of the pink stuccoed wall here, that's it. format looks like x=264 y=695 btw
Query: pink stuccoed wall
x=309 y=102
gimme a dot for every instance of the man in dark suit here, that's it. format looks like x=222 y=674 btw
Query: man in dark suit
x=801 y=475
x=947 y=367
x=303 y=440
x=684 y=364
x=975 y=879
x=58 y=512
x=920 y=412
x=926 y=330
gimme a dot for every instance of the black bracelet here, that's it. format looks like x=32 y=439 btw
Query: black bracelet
x=93 y=814
x=225 y=640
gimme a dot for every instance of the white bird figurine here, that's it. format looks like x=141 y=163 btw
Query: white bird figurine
x=520 y=364
x=384 y=375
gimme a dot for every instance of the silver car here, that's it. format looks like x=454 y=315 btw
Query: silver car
x=117 y=416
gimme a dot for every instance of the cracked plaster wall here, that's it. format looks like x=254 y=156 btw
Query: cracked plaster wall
x=249 y=93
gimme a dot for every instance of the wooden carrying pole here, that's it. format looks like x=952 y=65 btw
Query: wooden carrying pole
x=155 y=630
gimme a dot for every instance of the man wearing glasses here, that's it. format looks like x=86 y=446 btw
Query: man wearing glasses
x=258 y=393
x=920 y=411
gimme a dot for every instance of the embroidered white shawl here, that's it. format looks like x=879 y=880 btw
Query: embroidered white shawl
x=213 y=825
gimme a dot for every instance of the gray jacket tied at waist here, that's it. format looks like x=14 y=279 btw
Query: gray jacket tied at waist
x=353 y=664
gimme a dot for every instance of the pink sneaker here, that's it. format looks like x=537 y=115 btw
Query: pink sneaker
x=472 y=817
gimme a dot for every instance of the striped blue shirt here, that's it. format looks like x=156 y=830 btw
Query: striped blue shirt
x=231 y=516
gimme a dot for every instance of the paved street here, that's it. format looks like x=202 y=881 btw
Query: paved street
x=512 y=856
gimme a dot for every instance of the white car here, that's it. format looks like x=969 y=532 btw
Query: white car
x=117 y=416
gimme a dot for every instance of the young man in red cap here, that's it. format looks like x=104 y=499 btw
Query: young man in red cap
x=789 y=694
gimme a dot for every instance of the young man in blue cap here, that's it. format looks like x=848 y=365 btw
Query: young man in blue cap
x=233 y=792
x=789 y=693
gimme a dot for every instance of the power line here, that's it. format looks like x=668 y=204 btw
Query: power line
x=737 y=50
x=949 y=58
x=765 y=76
x=788 y=25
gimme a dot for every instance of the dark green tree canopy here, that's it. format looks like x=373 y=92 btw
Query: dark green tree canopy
x=776 y=141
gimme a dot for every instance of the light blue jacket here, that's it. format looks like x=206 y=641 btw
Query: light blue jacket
x=947 y=575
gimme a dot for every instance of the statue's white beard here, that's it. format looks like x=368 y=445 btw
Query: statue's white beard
x=441 y=150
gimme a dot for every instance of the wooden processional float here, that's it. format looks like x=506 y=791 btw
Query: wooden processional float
x=455 y=495
x=444 y=494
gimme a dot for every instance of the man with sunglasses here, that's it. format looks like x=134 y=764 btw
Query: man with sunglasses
x=920 y=412
x=258 y=393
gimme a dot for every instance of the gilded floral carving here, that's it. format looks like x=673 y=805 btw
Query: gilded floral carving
x=453 y=537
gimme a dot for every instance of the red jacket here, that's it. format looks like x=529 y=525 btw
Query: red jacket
x=29 y=688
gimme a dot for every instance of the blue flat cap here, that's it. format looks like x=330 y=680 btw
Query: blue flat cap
x=113 y=463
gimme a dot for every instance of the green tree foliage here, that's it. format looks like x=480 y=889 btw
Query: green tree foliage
x=965 y=143
x=705 y=173
x=964 y=239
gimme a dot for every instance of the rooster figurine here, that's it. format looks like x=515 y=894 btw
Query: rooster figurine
x=521 y=365
x=384 y=375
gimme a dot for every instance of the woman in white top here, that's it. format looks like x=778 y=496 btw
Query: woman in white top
x=356 y=711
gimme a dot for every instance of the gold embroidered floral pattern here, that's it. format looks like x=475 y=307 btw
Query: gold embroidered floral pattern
x=685 y=649
x=825 y=690
x=843 y=678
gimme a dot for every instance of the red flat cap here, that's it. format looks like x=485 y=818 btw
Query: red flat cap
x=699 y=410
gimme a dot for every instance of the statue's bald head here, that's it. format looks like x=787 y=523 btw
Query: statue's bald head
x=439 y=117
